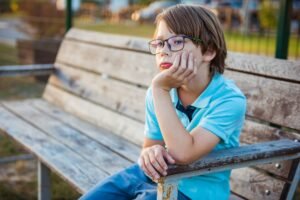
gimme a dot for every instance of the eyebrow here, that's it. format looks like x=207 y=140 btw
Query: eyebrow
x=162 y=38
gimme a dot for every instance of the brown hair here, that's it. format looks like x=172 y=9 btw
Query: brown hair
x=198 y=22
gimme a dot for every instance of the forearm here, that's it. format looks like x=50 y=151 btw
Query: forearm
x=179 y=142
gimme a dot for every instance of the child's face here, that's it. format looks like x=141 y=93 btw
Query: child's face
x=165 y=55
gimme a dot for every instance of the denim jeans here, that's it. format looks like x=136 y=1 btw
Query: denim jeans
x=129 y=184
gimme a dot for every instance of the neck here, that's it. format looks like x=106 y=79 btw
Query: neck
x=198 y=84
x=190 y=91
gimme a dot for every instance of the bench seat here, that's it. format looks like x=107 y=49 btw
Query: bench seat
x=82 y=153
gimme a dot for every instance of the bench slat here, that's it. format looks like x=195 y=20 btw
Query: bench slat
x=137 y=68
x=124 y=98
x=128 y=128
x=270 y=100
x=83 y=145
x=251 y=183
x=54 y=154
x=261 y=65
x=106 y=138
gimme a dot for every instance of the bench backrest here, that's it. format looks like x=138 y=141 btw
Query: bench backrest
x=102 y=78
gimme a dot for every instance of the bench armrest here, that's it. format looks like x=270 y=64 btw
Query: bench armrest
x=243 y=156
x=26 y=70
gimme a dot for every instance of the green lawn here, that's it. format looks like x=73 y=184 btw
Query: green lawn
x=8 y=55
x=254 y=44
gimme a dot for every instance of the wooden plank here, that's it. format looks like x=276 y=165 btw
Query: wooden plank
x=250 y=183
x=248 y=63
x=254 y=132
x=264 y=66
x=270 y=100
x=116 y=95
x=240 y=155
x=128 y=128
x=106 y=138
x=26 y=70
x=55 y=155
x=137 y=68
x=108 y=39
x=107 y=160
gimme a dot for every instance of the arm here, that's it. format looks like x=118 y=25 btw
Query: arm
x=192 y=145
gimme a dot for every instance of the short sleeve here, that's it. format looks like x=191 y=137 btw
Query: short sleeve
x=225 y=117
x=152 y=130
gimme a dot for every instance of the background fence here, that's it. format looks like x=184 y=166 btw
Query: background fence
x=249 y=26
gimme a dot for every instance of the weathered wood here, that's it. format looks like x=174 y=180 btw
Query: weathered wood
x=254 y=64
x=270 y=100
x=106 y=138
x=111 y=40
x=239 y=155
x=117 y=97
x=107 y=160
x=51 y=152
x=27 y=70
x=254 y=185
x=254 y=132
x=124 y=98
x=119 y=124
x=137 y=68
x=44 y=182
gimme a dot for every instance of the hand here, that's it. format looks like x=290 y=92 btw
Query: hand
x=182 y=71
x=152 y=161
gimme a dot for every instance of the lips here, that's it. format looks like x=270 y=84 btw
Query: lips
x=165 y=65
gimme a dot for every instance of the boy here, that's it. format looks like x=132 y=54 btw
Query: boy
x=191 y=109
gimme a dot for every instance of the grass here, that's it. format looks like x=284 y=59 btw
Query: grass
x=8 y=55
x=19 y=191
x=254 y=43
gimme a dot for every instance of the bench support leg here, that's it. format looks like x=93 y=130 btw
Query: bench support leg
x=167 y=191
x=44 y=183
x=295 y=181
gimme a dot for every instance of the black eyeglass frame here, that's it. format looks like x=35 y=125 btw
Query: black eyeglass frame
x=197 y=40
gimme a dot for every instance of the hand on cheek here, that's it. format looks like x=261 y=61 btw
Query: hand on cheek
x=182 y=71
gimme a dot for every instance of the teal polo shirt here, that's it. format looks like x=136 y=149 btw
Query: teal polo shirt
x=221 y=110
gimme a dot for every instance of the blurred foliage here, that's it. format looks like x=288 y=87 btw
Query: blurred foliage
x=268 y=14
x=45 y=19
x=144 y=2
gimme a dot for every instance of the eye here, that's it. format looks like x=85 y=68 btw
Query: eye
x=179 y=41
x=157 y=43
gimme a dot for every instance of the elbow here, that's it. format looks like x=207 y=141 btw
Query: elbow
x=180 y=158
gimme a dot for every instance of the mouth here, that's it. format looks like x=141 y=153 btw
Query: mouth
x=165 y=65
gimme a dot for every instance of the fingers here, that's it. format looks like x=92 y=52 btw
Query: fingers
x=153 y=162
x=156 y=158
x=149 y=169
x=168 y=157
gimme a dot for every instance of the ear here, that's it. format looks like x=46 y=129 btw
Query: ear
x=209 y=55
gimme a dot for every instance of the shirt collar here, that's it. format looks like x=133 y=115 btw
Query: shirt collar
x=204 y=99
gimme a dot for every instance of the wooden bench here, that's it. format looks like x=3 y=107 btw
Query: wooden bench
x=89 y=123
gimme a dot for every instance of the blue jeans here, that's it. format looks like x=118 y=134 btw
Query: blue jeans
x=129 y=184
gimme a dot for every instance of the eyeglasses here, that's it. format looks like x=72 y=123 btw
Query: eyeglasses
x=174 y=43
